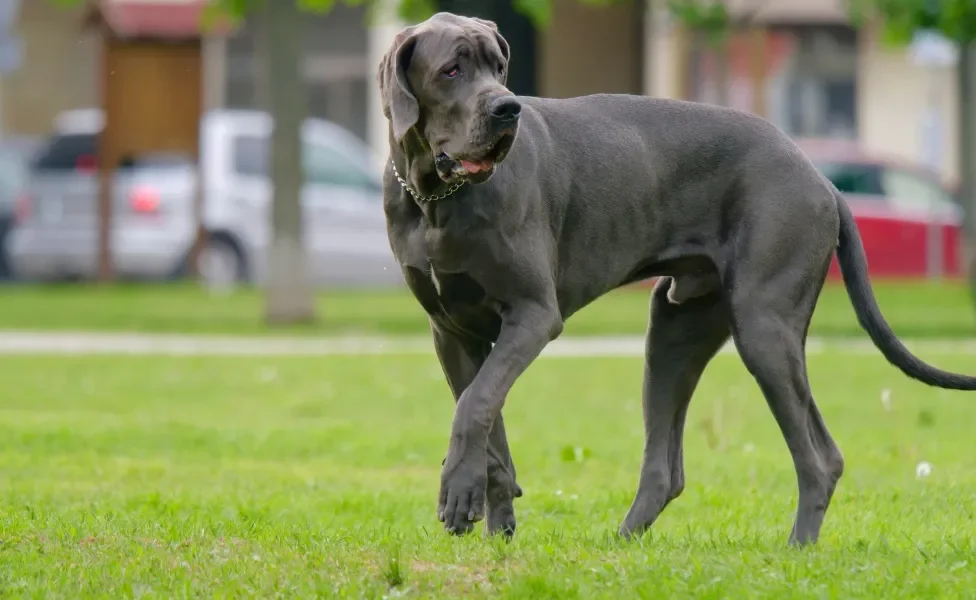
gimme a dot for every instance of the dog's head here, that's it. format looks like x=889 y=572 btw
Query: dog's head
x=445 y=79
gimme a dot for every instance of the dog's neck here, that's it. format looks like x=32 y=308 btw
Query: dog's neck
x=414 y=160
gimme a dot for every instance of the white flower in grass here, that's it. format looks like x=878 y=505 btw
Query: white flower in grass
x=267 y=374
x=886 y=399
x=923 y=469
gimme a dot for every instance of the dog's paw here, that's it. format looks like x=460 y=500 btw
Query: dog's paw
x=462 y=497
x=501 y=520
x=501 y=507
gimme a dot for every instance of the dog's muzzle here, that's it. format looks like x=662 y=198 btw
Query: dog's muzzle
x=504 y=112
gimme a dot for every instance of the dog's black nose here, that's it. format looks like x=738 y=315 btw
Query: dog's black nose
x=506 y=108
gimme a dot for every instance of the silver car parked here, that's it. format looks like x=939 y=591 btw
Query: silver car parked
x=55 y=236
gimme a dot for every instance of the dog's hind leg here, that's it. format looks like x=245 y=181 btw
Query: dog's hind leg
x=502 y=487
x=460 y=359
x=681 y=340
x=772 y=305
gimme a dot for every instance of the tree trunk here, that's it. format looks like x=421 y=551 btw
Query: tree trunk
x=290 y=297
x=967 y=154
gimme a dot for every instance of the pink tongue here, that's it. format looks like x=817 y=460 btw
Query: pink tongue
x=476 y=166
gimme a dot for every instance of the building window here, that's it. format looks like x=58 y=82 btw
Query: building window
x=810 y=78
x=343 y=101
x=335 y=67
x=814 y=94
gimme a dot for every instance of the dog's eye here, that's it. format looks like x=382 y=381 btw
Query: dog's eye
x=452 y=72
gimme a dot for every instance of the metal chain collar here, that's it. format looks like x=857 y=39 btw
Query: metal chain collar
x=420 y=198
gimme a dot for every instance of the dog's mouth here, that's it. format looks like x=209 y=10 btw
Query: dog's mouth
x=476 y=166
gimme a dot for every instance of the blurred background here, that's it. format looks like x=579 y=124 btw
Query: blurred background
x=151 y=123
x=216 y=383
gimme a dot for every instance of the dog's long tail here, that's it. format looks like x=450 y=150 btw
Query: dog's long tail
x=854 y=268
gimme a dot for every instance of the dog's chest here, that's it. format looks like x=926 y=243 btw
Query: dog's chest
x=465 y=305
x=448 y=252
x=452 y=296
x=438 y=263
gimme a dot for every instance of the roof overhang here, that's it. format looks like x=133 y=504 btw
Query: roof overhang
x=158 y=19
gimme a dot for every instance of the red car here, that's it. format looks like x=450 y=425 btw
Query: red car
x=910 y=220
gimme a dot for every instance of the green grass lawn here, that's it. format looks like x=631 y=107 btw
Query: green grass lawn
x=316 y=477
x=914 y=310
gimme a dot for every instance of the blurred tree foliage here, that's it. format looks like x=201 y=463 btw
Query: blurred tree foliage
x=539 y=11
x=901 y=19
x=956 y=19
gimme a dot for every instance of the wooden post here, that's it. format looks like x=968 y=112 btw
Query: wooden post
x=152 y=99
x=683 y=53
x=143 y=116
x=641 y=43
x=214 y=49
x=759 y=67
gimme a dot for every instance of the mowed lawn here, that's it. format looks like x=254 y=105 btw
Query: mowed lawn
x=914 y=309
x=160 y=477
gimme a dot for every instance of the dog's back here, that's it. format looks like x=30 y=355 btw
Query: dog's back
x=677 y=133
x=681 y=173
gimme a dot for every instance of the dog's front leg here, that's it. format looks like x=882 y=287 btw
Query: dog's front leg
x=461 y=358
x=525 y=331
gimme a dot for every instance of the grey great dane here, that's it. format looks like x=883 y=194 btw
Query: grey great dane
x=509 y=214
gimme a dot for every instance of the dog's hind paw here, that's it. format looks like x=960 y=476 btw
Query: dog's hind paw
x=501 y=520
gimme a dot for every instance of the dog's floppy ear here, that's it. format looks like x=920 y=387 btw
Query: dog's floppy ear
x=399 y=104
x=502 y=42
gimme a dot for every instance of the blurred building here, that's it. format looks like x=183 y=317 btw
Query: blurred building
x=54 y=67
x=796 y=62
x=336 y=66
x=58 y=68
x=586 y=49
x=800 y=64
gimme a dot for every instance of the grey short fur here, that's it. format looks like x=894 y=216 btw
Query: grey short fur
x=508 y=215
